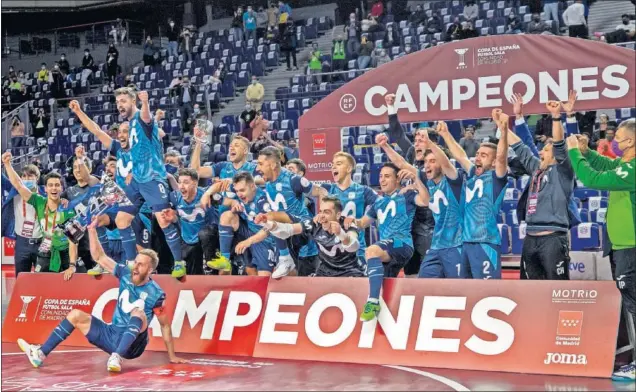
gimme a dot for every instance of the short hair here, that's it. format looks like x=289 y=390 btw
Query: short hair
x=333 y=199
x=125 y=91
x=271 y=152
x=624 y=16
x=489 y=145
x=52 y=175
x=392 y=166
x=88 y=162
x=243 y=140
x=154 y=257
x=114 y=127
x=110 y=158
x=347 y=156
x=299 y=164
x=243 y=176
x=189 y=173
x=173 y=153
x=629 y=125
x=31 y=170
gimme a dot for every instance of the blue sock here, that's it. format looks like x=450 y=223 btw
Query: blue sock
x=133 y=329
x=59 y=334
x=226 y=236
x=375 y=270
x=102 y=235
x=129 y=242
x=174 y=241
x=283 y=250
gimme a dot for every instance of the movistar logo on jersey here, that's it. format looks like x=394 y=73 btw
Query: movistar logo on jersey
x=390 y=208
x=478 y=188
x=279 y=202
x=334 y=249
x=191 y=217
x=434 y=204
x=133 y=138
x=125 y=304
x=349 y=210
x=124 y=170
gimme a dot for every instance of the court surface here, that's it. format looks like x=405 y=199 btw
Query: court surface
x=81 y=369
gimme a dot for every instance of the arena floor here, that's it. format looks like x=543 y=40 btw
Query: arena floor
x=75 y=369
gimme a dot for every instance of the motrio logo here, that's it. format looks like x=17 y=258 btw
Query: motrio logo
x=284 y=309
x=491 y=91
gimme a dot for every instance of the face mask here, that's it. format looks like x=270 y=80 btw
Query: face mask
x=172 y=169
x=62 y=57
x=625 y=21
x=43 y=68
x=86 y=54
x=615 y=149
x=383 y=53
x=197 y=111
x=537 y=19
x=254 y=81
x=21 y=75
x=31 y=184
x=248 y=107
x=171 y=24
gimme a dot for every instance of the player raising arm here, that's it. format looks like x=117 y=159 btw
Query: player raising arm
x=140 y=298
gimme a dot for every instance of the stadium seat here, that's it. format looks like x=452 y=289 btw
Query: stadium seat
x=504 y=231
x=585 y=236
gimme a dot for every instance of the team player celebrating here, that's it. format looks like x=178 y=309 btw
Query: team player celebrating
x=337 y=246
x=484 y=192
x=394 y=212
x=140 y=299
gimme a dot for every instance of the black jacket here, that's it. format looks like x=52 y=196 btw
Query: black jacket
x=178 y=91
x=172 y=33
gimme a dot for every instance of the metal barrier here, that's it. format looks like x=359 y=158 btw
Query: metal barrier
x=69 y=38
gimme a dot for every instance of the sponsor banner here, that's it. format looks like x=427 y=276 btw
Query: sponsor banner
x=212 y=315
x=467 y=79
x=8 y=250
x=543 y=327
x=317 y=147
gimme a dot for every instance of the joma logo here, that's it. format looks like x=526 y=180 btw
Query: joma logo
x=565 y=359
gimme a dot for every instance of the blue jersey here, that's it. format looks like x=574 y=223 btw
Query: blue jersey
x=355 y=201
x=394 y=214
x=483 y=196
x=147 y=297
x=259 y=205
x=226 y=170
x=446 y=207
x=146 y=150
x=192 y=217
x=287 y=194
x=124 y=163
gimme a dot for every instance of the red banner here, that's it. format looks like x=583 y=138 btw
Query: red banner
x=317 y=147
x=8 y=247
x=468 y=78
x=543 y=327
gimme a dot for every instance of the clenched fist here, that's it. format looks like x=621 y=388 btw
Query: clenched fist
x=143 y=96
x=74 y=106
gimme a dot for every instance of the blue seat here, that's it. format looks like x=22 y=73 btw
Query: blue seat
x=504 y=231
x=598 y=216
x=586 y=236
x=585 y=215
x=518 y=235
x=585 y=193
x=596 y=202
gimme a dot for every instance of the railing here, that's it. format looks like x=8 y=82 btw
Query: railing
x=73 y=38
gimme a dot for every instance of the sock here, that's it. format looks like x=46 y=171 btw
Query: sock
x=101 y=234
x=375 y=271
x=226 y=236
x=174 y=241
x=59 y=334
x=132 y=331
x=282 y=247
x=129 y=242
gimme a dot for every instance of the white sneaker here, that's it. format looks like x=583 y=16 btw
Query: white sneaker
x=33 y=352
x=114 y=363
x=284 y=267
x=96 y=270
x=625 y=373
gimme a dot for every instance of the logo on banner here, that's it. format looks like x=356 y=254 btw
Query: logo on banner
x=565 y=359
x=462 y=58
x=319 y=142
x=573 y=296
x=26 y=300
x=348 y=103
x=569 y=328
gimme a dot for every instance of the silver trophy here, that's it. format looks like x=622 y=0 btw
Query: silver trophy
x=95 y=204
x=203 y=136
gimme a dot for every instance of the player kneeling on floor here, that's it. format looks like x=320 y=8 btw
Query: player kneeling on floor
x=337 y=247
x=126 y=337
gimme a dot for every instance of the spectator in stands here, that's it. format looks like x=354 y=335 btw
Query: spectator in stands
x=173 y=37
x=418 y=16
x=471 y=11
x=537 y=25
x=149 y=52
x=513 y=24
x=288 y=46
x=22 y=77
x=284 y=14
x=237 y=24
x=380 y=57
x=88 y=65
x=291 y=149
x=391 y=38
x=618 y=36
x=43 y=75
x=185 y=93
x=599 y=133
x=17 y=127
x=619 y=178
x=551 y=9
x=364 y=53
x=468 y=31
x=434 y=24
x=377 y=10
x=112 y=57
x=118 y=32
x=543 y=131
x=15 y=83
x=24 y=95
x=352 y=31
x=249 y=23
x=626 y=24
x=454 y=30
x=315 y=63
x=65 y=67
x=338 y=54
x=272 y=15
x=605 y=145
x=574 y=18
x=57 y=84
x=41 y=124
x=186 y=40
x=254 y=94
x=11 y=71
x=261 y=22
x=468 y=142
